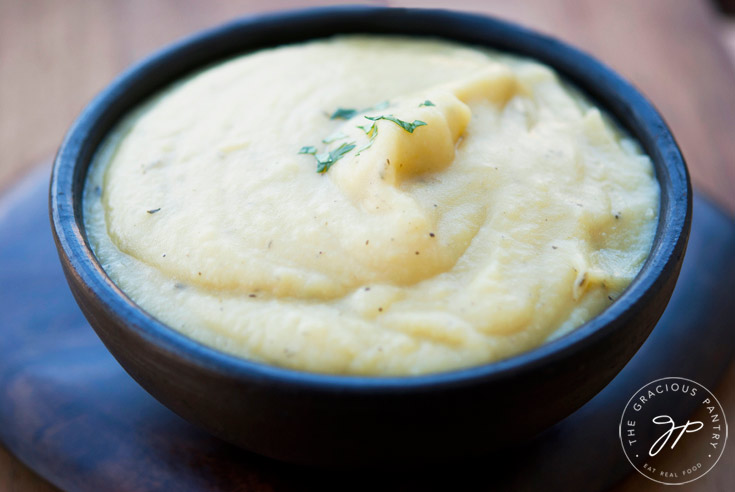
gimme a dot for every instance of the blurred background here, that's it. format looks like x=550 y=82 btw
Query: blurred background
x=55 y=55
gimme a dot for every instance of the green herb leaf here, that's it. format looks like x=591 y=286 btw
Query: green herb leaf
x=307 y=149
x=409 y=127
x=368 y=129
x=333 y=137
x=153 y=211
x=343 y=114
x=427 y=103
x=347 y=113
x=325 y=160
x=371 y=132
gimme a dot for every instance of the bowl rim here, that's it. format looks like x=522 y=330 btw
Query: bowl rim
x=607 y=89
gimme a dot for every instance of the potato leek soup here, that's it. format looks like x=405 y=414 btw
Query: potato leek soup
x=371 y=205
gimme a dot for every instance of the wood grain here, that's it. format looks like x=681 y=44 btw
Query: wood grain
x=54 y=56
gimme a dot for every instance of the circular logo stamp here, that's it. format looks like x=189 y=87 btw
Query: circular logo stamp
x=673 y=430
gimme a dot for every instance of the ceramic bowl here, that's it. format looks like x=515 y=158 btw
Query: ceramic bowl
x=347 y=420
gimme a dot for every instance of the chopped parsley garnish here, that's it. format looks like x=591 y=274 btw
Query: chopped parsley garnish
x=325 y=160
x=371 y=132
x=409 y=127
x=153 y=211
x=333 y=137
x=347 y=113
x=307 y=149
x=343 y=114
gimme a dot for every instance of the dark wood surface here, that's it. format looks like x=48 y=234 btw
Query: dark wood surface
x=71 y=413
x=55 y=55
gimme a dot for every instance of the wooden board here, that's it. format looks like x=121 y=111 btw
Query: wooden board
x=70 y=412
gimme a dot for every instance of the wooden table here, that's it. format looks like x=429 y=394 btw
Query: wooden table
x=54 y=56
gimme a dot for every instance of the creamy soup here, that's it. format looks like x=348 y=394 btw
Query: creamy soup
x=371 y=205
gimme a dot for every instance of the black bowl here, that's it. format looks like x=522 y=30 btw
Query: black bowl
x=323 y=419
